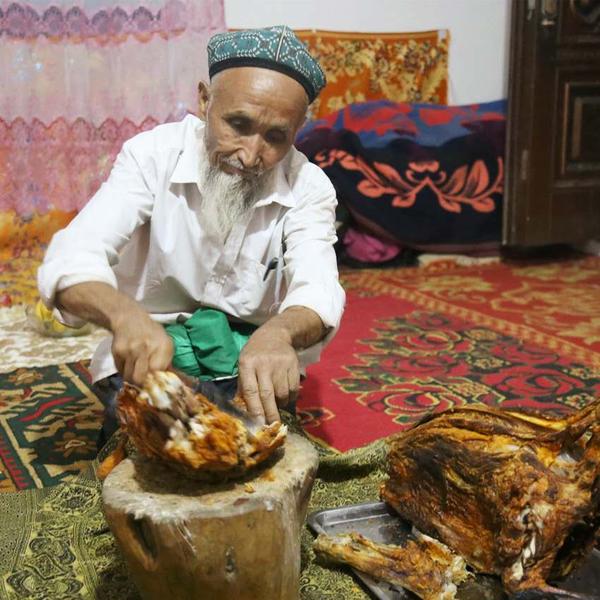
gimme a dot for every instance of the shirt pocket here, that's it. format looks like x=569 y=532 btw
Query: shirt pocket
x=259 y=295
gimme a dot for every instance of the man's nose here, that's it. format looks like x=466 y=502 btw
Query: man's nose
x=250 y=152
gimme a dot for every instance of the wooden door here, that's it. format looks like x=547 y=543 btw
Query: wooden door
x=553 y=142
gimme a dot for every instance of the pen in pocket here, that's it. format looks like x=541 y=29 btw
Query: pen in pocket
x=272 y=265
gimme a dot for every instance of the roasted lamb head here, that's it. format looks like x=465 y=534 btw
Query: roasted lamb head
x=167 y=420
x=514 y=494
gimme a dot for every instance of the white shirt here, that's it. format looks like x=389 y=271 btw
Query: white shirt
x=142 y=233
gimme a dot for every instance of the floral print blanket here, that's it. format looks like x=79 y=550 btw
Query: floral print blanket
x=425 y=176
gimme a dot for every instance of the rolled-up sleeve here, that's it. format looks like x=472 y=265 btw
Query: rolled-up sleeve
x=88 y=248
x=310 y=261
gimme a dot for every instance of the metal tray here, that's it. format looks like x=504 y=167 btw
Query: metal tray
x=379 y=523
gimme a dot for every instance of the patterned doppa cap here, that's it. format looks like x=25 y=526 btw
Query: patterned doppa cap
x=275 y=48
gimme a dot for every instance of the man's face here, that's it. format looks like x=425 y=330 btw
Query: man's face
x=252 y=116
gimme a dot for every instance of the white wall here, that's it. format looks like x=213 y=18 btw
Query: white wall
x=479 y=31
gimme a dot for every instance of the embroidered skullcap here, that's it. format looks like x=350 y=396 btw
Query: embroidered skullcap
x=275 y=48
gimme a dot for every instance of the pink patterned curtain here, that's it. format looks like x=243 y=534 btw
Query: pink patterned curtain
x=78 y=78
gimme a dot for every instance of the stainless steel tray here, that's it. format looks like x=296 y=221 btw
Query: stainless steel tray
x=379 y=523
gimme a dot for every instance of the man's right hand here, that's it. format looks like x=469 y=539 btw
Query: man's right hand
x=139 y=346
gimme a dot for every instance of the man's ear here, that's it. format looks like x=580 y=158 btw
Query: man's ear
x=203 y=98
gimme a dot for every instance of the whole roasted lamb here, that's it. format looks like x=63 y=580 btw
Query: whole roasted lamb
x=514 y=494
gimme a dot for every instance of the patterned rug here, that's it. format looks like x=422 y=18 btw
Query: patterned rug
x=18 y=278
x=49 y=423
x=21 y=346
x=414 y=341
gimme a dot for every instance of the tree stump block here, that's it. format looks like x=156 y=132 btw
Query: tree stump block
x=185 y=539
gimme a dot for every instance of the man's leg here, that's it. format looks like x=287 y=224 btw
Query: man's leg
x=107 y=390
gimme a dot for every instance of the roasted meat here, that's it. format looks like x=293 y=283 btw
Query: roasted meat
x=515 y=495
x=421 y=564
x=168 y=421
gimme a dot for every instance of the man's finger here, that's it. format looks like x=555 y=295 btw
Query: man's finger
x=159 y=361
x=140 y=370
x=119 y=359
x=281 y=388
x=162 y=357
x=128 y=367
x=248 y=387
x=120 y=365
x=293 y=384
x=267 y=397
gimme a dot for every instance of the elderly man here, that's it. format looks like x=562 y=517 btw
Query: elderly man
x=210 y=246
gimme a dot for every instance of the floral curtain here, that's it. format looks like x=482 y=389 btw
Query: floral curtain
x=77 y=78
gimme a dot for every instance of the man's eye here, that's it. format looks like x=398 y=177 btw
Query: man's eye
x=276 y=137
x=240 y=125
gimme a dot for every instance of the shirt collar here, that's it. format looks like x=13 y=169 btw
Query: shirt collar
x=279 y=190
x=187 y=169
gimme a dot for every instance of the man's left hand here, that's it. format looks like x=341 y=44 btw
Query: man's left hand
x=269 y=375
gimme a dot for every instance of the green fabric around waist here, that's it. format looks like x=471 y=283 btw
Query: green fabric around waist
x=207 y=345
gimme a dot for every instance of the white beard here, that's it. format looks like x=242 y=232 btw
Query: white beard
x=227 y=199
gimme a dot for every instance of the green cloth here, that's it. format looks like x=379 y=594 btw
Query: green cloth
x=207 y=345
x=275 y=48
x=55 y=543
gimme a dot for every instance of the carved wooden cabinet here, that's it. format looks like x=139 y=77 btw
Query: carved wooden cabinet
x=553 y=142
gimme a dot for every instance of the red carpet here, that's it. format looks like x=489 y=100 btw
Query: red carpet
x=419 y=340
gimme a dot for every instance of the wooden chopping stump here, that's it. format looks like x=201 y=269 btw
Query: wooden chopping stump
x=183 y=539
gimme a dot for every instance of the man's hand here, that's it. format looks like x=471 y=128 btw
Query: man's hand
x=139 y=344
x=269 y=374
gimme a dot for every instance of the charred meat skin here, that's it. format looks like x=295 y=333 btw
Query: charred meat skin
x=421 y=564
x=166 y=420
x=514 y=494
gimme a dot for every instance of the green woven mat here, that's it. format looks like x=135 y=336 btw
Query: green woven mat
x=55 y=543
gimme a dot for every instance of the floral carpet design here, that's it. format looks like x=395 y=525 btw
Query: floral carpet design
x=49 y=423
x=411 y=341
x=414 y=341
x=22 y=346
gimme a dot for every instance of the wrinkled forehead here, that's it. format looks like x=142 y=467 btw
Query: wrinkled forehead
x=263 y=86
